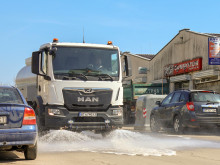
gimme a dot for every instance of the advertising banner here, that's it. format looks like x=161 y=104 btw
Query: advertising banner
x=183 y=67
x=214 y=51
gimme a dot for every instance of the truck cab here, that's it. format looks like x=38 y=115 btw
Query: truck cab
x=78 y=86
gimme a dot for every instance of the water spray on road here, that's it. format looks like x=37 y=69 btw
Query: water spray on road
x=119 y=142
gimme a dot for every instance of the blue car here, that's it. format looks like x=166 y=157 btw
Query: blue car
x=18 y=129
x=186 y=108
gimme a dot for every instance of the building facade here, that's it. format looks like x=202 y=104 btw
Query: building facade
x=135 y=67
x=191 y=60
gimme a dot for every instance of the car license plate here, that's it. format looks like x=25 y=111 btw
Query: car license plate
x=3 y=119
x=209 y=110
x=87 y=114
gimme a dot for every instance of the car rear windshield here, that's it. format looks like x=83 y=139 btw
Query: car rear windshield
x=205 y=97
x=10 y=95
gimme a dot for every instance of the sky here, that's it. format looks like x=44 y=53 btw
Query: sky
x=137 y=26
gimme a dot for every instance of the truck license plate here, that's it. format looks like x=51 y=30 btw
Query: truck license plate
x=209 y=110
x=87 y=114
x=3 y=119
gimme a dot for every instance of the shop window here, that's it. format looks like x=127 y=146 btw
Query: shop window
x=181 y=85
x=206 y=79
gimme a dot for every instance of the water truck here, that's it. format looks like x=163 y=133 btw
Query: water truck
x=75 y=86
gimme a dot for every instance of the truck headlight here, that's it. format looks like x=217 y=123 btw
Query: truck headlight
x=53 y=112
x=117 y=112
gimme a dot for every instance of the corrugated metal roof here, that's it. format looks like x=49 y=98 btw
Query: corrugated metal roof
x=188 y=30
x=143 y=56
x=213 y=34
x=149 y=56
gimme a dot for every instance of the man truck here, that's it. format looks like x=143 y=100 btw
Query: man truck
x=67 y=90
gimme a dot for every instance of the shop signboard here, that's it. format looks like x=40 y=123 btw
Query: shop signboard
x=214 y=51
x=183 y=67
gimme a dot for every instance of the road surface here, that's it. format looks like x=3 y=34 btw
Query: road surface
x=123 y=147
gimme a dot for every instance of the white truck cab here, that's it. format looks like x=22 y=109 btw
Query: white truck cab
x=75 y=86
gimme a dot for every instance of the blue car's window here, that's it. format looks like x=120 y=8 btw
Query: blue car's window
x=205 y=97
x=183 y=98
x=176 y=98
x=10 y=95
x=167 y=99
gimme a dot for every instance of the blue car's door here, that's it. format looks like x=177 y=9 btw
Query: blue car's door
x=164 y=108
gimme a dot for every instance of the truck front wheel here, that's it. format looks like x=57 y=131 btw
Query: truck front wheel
x=126 y=114
x=42 y=130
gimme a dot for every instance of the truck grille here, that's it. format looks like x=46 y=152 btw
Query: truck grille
x=84 y=99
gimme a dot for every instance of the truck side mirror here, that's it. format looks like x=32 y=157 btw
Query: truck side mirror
x=35 y=63
x=53 y=51
x=128 y=66
x=158 y=103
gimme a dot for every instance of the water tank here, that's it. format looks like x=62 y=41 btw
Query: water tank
x=25 y=76
x=26 y=81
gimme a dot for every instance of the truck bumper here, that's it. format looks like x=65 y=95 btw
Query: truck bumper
x=77 y=120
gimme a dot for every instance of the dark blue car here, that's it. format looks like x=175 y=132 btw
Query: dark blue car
x=187 y=108
x=18 y=129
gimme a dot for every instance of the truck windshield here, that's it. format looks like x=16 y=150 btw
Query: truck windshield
x=80 y=63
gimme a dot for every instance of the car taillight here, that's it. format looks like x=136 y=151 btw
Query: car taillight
x=190 y=106
x=29 y=117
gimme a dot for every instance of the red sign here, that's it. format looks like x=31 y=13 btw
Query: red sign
x=183 y=67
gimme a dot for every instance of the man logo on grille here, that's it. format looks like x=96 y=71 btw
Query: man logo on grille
x=88 y=99
x=88 y=91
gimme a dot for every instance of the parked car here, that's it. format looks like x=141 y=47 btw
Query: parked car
x=18 y=129
x=186 y=108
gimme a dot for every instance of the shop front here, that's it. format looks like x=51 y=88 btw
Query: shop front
x=191 y=60
x=208 y=79
x=180 y=75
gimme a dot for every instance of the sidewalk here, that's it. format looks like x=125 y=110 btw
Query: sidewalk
x=128 y=127
x=132 y=128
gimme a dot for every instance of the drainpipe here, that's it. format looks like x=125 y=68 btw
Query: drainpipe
x=191 y=82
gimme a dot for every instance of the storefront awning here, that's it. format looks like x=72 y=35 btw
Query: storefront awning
x=206 y=73
x=159 y=81
x=180 y=78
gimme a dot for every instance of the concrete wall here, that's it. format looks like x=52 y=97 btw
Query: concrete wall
x=135 y=63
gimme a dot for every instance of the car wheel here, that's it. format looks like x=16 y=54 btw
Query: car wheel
x=30 y=153
x=177 y=125
x=154 y=125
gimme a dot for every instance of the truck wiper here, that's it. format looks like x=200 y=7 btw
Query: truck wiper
x=101 y=76
x=67 y=76
x=78 y=75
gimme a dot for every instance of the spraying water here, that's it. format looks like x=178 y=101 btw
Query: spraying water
x=119 y=142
